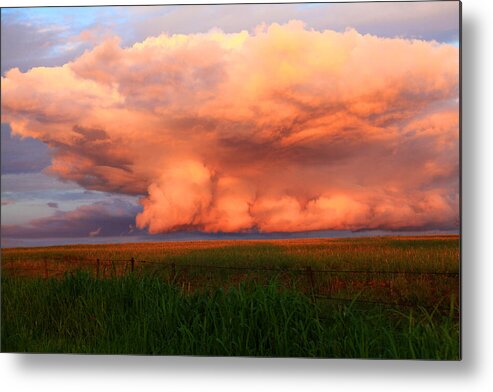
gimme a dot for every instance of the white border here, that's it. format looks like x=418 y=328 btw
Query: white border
x=125 y=373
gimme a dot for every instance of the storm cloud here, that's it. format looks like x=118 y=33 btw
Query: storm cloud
x=282 y=129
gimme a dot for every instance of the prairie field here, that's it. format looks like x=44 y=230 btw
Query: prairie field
x=375 y=297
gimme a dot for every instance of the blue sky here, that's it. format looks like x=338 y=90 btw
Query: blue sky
x=33 y=37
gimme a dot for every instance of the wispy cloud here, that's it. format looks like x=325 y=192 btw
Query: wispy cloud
x=95 y=233
x=6 y=202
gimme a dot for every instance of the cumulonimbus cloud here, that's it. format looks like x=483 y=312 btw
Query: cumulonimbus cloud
x=283 y=129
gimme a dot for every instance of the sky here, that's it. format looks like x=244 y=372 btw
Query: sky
x=229 y=121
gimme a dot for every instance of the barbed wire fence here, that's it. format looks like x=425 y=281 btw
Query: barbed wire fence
x=319 y=284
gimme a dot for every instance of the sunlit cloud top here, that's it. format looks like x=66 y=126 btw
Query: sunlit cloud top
x=276 y=127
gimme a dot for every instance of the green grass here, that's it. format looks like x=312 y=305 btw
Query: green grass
x=236 y=312
x=142 y=314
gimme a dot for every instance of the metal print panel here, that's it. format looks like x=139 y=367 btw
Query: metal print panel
x=277 y=180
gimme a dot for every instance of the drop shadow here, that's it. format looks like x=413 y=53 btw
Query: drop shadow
x=30 y=364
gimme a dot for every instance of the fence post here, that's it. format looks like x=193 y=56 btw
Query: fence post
x=132 y=264
x=97 y=268
x=311 y=278
x=173 y=272
x=46 y=267
x=328 y=277
x=185 y=275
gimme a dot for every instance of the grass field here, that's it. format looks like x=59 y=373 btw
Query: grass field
x=194 y=310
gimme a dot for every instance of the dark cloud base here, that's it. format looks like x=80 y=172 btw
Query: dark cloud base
x=101 y=219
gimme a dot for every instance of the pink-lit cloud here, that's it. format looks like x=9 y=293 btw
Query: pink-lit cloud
x=284 y=129
x=95 y=233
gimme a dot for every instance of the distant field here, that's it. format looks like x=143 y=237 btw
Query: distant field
x=401 y=285
x=430 y=253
